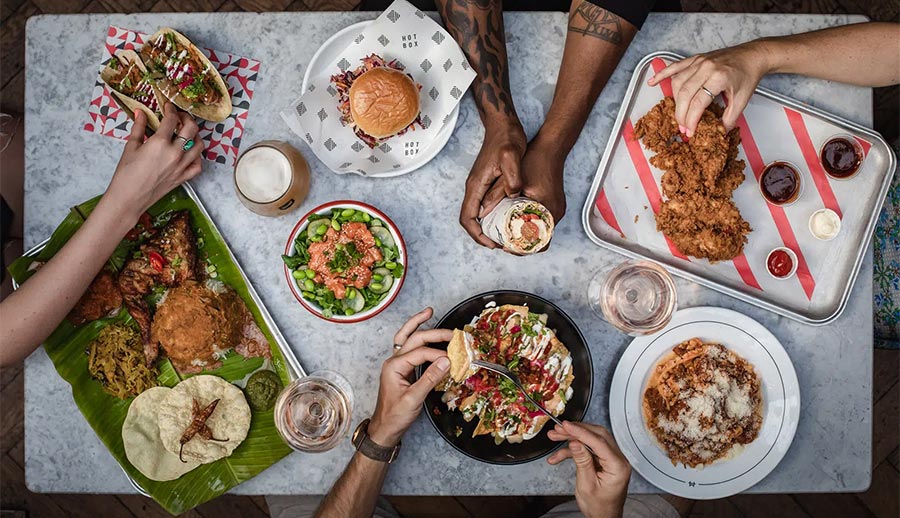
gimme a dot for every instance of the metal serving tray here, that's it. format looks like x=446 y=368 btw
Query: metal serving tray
x=619 y=214
x=293 y=364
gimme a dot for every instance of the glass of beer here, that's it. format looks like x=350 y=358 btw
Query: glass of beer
x=271 y=178
x=313 y=413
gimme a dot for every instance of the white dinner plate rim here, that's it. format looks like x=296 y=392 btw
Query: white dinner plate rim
x=745 y=480
x=431 y=151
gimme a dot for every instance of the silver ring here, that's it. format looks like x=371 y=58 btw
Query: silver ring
x=397 y=347
x=188 y=143
x=710 y=94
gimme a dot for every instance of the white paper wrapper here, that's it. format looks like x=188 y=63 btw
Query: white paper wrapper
x=426 y=51
x=495 y=224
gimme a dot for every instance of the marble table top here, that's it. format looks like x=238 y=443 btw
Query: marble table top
x=66 y=165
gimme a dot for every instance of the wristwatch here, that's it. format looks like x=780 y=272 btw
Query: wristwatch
x=370 y=448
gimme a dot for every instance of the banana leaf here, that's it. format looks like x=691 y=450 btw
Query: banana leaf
x=106 y=414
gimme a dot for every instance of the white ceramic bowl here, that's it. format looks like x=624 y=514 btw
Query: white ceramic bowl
x=326 y=208
x=790 y=254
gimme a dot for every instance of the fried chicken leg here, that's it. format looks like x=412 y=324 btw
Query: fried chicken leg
x=167 y=259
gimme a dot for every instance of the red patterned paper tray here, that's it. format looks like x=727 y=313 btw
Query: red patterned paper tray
x=222 y=139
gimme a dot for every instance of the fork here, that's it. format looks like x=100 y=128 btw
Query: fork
x=508 y=374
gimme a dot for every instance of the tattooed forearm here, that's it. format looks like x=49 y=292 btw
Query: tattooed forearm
x=478 y=27
x=590 y=20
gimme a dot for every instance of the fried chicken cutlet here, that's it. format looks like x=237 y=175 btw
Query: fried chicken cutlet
x=704 y=227
x=701 y=174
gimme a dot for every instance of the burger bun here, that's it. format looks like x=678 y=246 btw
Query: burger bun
x=383 y=102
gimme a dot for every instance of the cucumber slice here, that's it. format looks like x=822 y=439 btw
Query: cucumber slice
x=384 y=235
x=356 y=303
x=384 y=285
x=312 y=230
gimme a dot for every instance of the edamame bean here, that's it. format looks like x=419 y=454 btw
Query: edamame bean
x=321 y=230
x=366 y=217
x=310 y=273
x=376 y=286
x=377 y=242
x=309 y=285
x=349 y=312
x=315 y=239
x=308 y=295
x=335 y=225
x=390 y=265
x=346 y=213
x=377 y=277
x=298 y=274
x=351 y=294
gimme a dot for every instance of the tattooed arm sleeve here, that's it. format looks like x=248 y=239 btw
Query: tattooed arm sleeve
x=595 y=42
x=478 y=27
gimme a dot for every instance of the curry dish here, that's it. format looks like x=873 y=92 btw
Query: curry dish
x=196 y=324
x=702 y=403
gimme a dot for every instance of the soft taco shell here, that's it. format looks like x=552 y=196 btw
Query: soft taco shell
x=216 y=112
x=128 y=104
x=143 y=446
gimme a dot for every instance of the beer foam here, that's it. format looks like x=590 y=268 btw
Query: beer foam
x=263 y=174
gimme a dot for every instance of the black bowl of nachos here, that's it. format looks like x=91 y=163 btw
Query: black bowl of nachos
x=483 y=415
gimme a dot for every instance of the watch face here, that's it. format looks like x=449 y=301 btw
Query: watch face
x=357 y=434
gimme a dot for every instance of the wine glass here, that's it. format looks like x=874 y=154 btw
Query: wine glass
x=638 y=297
x=313 y=413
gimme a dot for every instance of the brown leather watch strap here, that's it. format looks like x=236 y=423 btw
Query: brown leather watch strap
x=370 y=448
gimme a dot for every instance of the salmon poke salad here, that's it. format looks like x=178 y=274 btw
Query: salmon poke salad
x=345 y=261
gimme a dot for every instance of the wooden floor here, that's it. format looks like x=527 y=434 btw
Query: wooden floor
x=881 y=500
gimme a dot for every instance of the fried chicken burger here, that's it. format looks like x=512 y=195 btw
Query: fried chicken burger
x=378 y=100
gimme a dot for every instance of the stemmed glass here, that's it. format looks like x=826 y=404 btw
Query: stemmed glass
x=313 y=413
x=638 y=297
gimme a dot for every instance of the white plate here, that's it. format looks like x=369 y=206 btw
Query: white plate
x=329 y=51
x=780 y=392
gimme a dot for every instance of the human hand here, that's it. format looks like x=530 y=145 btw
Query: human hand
x=497 y=166
x=149 y=169
x=602 y=480
x=542 y=180
x=399 y=400
x=733 y=72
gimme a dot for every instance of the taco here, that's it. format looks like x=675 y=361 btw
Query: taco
x=130 y=84
x=186 y=76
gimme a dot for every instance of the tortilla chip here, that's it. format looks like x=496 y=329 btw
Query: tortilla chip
x=459 y=350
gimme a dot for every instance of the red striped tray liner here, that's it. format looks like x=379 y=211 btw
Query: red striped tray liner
x=630 y=195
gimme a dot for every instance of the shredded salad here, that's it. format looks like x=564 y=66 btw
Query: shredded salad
x=345 y=261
